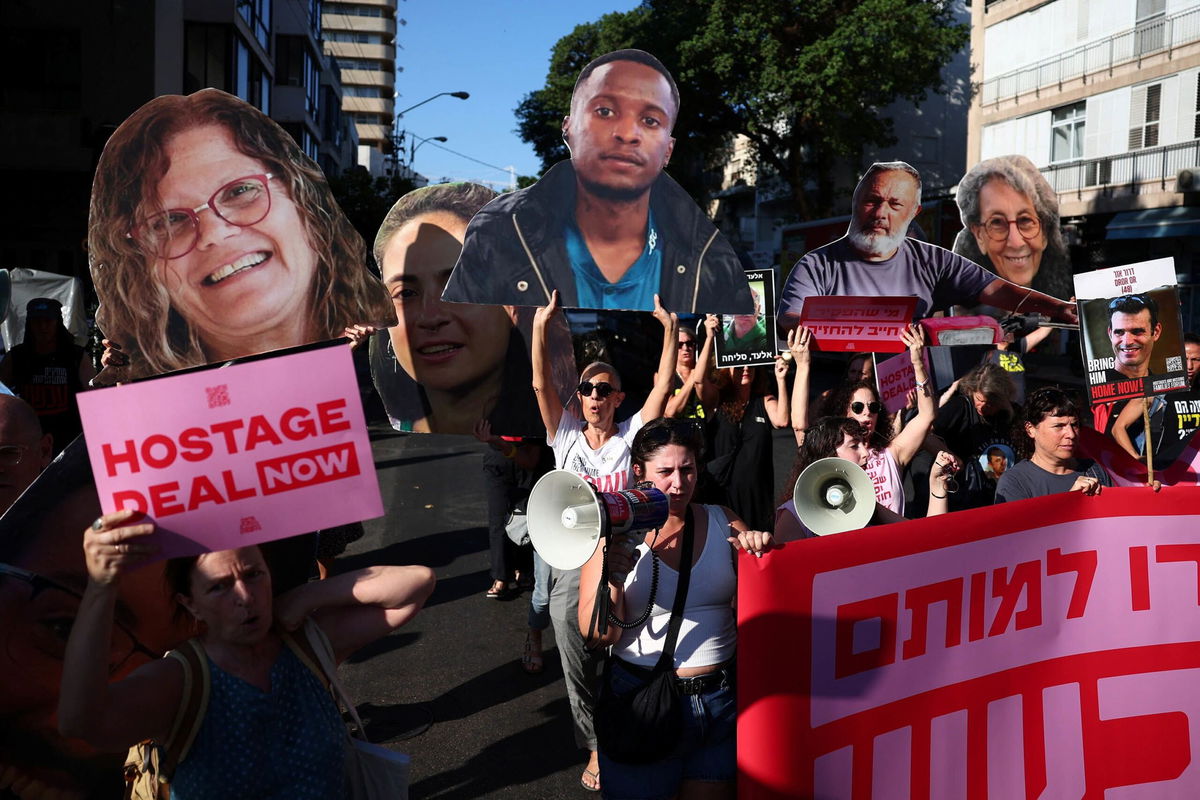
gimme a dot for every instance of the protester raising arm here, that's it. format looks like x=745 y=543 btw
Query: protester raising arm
x=776 y=405
x=1129 y=415
x=945 y=465
x=908 y=441
x=358 y=607
x=798 y=340
x=89 y=708
x=698 y=381
x=664 y=378
x=543 y=376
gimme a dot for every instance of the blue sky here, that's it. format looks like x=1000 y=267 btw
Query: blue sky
x=499 y=51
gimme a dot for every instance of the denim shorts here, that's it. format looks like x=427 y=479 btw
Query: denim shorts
x=707 y=750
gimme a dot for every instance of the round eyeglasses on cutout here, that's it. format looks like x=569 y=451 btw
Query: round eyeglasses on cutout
x=175 y=232
x=997 y=228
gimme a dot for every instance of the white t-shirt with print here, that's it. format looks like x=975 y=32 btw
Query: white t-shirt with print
x=609 y=469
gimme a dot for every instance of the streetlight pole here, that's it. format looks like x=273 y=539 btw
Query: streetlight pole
x=414 y=143
x=397 y=135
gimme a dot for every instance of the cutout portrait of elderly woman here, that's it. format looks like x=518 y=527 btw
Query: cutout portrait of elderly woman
x=1010 y=225
x=213 y=236
x=446 y=366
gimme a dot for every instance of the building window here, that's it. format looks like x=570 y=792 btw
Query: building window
x=1066 y=132
x=1144 y=110
x=1196 y=123
x=257 y=14
x=1151 y=26
x=206 y=57
x=253 y=82
x=314 y=17
x=362 y=91
x=357 y=37
x=290 y=55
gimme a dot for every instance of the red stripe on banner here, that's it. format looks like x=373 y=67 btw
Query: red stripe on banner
x=1139 y=578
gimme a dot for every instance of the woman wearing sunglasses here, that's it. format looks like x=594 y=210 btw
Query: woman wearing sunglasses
x=888 y=455
x=213 y=236
x=841 y=437
x=594 y=446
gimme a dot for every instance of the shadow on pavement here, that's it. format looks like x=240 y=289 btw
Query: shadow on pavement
x=435 y=550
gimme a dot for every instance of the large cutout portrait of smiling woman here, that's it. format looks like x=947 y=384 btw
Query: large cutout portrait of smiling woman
x=213 y=236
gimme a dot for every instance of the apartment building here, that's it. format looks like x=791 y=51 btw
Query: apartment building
x=1102 y=96
x=78 y=68
x=361 y=35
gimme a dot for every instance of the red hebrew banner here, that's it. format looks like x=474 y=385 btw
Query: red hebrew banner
x=1043 y=649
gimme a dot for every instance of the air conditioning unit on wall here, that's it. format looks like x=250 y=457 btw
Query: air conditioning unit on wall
x=1188 y=180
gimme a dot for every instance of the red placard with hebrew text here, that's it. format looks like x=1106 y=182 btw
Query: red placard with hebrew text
x=1048 y=648
x=851 y=324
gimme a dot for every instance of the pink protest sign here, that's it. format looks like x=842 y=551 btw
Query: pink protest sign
x=848 y=324
x=1046 y=648
x=236 y=456
x=896 y=377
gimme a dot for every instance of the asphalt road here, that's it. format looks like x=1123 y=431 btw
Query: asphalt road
x=448 y=689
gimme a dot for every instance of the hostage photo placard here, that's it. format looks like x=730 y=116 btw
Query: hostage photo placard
x=224 y=458
x=747 y=340
x=1130 y=330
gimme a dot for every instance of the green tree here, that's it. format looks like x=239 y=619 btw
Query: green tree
x=365 y=200
x=804 y=80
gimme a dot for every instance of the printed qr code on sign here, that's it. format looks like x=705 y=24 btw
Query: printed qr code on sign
x=217 y=395
x=249 y=525
x=1174 y=363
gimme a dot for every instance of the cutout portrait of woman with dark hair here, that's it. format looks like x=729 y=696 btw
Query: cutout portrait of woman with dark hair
x=446 y=366
x=213 y=236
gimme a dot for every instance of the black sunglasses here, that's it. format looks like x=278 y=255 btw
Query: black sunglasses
x=602 y=388
x=875 y=407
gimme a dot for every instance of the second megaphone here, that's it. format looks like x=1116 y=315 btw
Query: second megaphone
x=834 y=495
x=567 y=516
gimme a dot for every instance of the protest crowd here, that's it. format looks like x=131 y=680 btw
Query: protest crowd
x=543 y=386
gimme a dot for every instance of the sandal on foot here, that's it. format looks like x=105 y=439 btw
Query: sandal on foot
x=497 y=592
x=531 y=662
x=594 y=775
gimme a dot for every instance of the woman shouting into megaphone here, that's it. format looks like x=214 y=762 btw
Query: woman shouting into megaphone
x=684 y=578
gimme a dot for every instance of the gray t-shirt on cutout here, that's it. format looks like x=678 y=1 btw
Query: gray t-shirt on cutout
x=937 y=277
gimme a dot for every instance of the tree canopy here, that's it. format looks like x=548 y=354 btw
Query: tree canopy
x=804 y=80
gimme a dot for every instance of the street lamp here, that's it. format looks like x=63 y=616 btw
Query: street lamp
x=459 y=95
x=414 y=143
x=397 y=139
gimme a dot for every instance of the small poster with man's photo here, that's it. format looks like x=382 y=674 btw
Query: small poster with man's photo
x=747 y=340
x=1130 y=330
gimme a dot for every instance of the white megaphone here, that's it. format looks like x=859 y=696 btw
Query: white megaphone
x=834 y=495
x=567 y=516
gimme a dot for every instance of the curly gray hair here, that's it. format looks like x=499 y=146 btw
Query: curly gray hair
x=1054 y=273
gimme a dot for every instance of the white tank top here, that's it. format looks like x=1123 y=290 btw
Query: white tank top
x=708 y=633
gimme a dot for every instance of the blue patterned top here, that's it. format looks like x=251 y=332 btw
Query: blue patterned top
x=285 y=743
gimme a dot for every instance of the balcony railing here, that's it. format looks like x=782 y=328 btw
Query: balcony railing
x=1127 y=173
x=1154 y=36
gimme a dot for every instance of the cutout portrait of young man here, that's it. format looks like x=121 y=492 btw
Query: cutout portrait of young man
x=609 y=229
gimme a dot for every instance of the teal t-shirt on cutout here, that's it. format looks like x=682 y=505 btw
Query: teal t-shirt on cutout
x=637 y=287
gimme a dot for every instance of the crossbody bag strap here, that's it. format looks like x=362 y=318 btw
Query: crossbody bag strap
x=323 y=650
x=667 y=660
x=197 y=683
